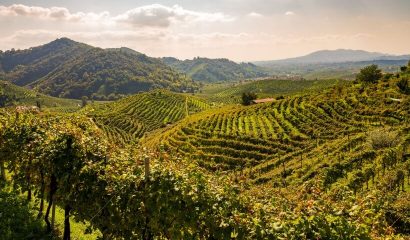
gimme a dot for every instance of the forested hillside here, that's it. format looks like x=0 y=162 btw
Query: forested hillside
x=65 y=68
x=207 y=70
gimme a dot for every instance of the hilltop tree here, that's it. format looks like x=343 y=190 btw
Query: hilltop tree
x=369 y=74
x=84 y=100
x=247 y=98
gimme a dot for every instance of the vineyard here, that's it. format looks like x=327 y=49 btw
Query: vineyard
x=231 y=92
x=127 y=120
x=356 y=136
x=328 y=164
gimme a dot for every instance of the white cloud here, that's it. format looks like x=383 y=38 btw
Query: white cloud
x=155 y=15
x=289 y=13
x=53 y=13
x=158 y=42
x=255 y=15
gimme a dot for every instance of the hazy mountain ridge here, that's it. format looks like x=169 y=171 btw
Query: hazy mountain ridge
x=215 y=70
x=333 y=64
x=66 y=68
x=336 y=56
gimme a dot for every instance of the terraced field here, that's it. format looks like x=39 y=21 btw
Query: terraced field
x=127 y=120
x=293 y=139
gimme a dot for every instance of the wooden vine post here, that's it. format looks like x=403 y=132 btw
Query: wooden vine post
x=53 y=215
x=146 y=162
x=2 y=165
x=146 y=231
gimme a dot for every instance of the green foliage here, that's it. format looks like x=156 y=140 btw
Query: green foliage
x=369 y=74
x=16 y=219
x=404 y=86
x=248 y=97
x=398 y=214
x=387 y=76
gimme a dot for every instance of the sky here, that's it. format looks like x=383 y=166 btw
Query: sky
x=241 y=30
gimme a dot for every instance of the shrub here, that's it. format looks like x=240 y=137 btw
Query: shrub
x=382 y=138
x=387 y=76
x=247 y=98
x=369 y=74
x=280 y=97
x=403 y=85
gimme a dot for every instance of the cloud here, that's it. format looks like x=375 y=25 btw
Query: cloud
x=158 y=15
x=41 y=36
x=52 y=13
x=155 y=15
x=159 y=42
x=289 y=13
x=255 y=15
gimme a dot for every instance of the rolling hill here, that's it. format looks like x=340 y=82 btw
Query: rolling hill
x=207 y=70
x=12 y=95
x=65 y=68
x=128 y=119
x=344 y=131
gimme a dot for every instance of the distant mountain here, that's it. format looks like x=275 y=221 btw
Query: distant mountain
x=215 y=70
x=335 y=56
x=65 y=68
